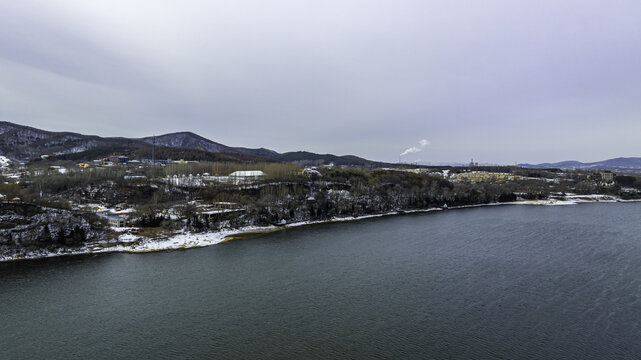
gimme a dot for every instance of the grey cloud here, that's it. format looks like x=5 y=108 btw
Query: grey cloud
x=500 y=81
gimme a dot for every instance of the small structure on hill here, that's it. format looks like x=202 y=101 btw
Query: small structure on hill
x=117 y=159
x=311 y=172
x=59 y=169
x=607 y=176
x=114 y=220
x=161 y=162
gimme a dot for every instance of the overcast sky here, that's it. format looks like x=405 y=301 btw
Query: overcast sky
x=500 y=81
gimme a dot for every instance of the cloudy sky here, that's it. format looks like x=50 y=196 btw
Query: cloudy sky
x=499 y=81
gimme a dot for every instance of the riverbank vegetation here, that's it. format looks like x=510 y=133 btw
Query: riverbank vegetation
x=203 y=196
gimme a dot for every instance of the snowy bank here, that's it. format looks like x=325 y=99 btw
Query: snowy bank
x=131 y=243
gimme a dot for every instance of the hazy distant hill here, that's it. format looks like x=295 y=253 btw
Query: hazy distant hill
x=194 y=141
x=26 y=143
x=617 y=164
x=305 y=156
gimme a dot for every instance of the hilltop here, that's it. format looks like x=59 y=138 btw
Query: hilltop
x=25 y=143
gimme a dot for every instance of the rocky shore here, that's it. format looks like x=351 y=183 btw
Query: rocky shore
x=28 y=245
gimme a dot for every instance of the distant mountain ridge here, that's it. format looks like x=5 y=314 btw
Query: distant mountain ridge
x=189 y=140
x=24 y=143
x=622 y=164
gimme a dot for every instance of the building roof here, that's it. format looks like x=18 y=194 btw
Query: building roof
x=111 y=216
x=247 y=173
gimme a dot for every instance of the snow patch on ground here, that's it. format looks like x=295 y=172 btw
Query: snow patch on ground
x=4 y=161
x=570 y=199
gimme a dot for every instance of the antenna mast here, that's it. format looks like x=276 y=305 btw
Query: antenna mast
x=153 y=151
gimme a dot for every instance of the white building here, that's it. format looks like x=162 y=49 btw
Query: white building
x=238 y=177
x=248 y=174
x=60 y=169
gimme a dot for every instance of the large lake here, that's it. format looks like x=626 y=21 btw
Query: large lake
x=503 y=282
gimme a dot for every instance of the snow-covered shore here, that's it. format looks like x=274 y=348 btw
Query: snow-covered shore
x=127 y=242
x=570 y=199
x=131 y=243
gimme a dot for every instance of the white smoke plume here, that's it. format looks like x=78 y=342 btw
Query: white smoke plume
x=413 y=149
x=422 y=143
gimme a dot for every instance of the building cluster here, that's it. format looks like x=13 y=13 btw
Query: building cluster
x=484 y=176
x=607 y=177
x=11 y=172
x=117 y=216
x=199 y=180
x=112 y=160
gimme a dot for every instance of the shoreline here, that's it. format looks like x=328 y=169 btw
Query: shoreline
x=128 y=243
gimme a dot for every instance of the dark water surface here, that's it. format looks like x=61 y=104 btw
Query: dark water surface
x=509 y=282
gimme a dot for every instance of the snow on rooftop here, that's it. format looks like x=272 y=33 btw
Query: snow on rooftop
x=247 y=173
